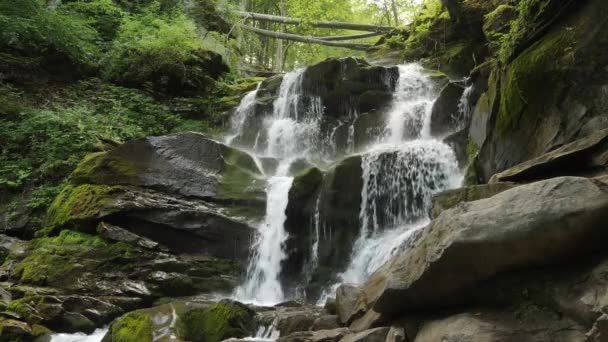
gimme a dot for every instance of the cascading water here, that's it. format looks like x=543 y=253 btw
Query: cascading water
x=290 y=130
x=400 y=175
x=241 y=113
x=402 y=170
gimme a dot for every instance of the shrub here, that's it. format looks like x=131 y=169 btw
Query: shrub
x=161 y=48
x=31 y=34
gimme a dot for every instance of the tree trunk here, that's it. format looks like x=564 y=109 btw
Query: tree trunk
x=325 y=24
x=349 y=37
x=395 y=12
x=304 y=39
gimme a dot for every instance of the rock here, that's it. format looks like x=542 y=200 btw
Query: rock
x=219 y=322
x=115 y=233
x=451 y=198
x=459 y=143
x=330 y=306
x=549 y=97
x=186 y=164
x=538 y=224
x=497 y=23
x=445 y=110
x=334 y=335
x=182 y=225
x=372 y=335
x=326 y=322
x=173 y=284
x=582 y=156
x=338 y=210
x=73 y=322
x=134 y=326
x=346 y=300
x=599 y=332
x=396 y=334
x=12 y=330
x=490 y=326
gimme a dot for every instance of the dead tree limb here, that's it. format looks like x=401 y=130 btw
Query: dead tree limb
x=305 y=39
x=325 y=24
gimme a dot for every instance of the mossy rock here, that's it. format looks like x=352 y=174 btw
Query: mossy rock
x=77 y=205
x=550 y=94
x=305 y=185
x=217 y=323
x=132 y=327
x=63 y=261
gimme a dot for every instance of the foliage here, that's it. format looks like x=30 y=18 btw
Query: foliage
x=157 y=47
x=133 y=327
x=533 y=15
x=29 y=30
x=61 y=260
x=105 y=16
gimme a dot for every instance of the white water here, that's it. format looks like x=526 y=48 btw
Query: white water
x=412 y=105
x=241 y=114
x=291 y=131
x=96 y=336
x=401 y=172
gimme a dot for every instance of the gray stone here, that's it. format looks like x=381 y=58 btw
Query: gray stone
x=581 y=156
x=445 y=108
x=532 y=225
x=346 y=300
x=372 y=335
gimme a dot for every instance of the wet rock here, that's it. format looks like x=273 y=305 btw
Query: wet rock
x=445 y=109
x=346 y=300
x=506 y=232
x=12 y=330
x=330 y=306
x=219 y=322
x=173 y=284
x=451 y=198
x=483 y=325
x=115 y=233
x=581 y=157
x=326 y=322
x=334 y=335
x=549 y=98
x=372 y=335
x=396 y=334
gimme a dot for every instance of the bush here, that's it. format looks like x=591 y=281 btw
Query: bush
x=103 y=15
x=162 y=49
x=31 y=34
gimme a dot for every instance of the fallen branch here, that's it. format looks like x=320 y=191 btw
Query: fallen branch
x=325 y=24
x=305 y=39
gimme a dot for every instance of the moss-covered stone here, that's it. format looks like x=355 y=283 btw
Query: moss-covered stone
x=305 y=185
x=497 y=23
x=62 y=260
x=217 y=323
x=451 y=198
x=133 y=327
x=99 y=166
x=77 y=204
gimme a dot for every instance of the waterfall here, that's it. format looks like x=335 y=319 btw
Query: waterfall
x=241 y=114
x=263 y=286
x=400 y=175
x=402 y=169
x=409 y=116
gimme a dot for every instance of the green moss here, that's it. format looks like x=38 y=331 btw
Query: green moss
x=533 y=79
x=22 y=308
x=241 y=179
x=60 y=261
x=215 y=324
x=133 y=327
x=305 y=184
x=77 y=204
x=98 y=167
x=472 y=150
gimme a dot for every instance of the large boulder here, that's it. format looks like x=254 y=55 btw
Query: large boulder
x=538 y=224
x=586 y=156
x=554 y=91
x=445 y=109
x=328 y=203
x=183 y=191
x=451 y=198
